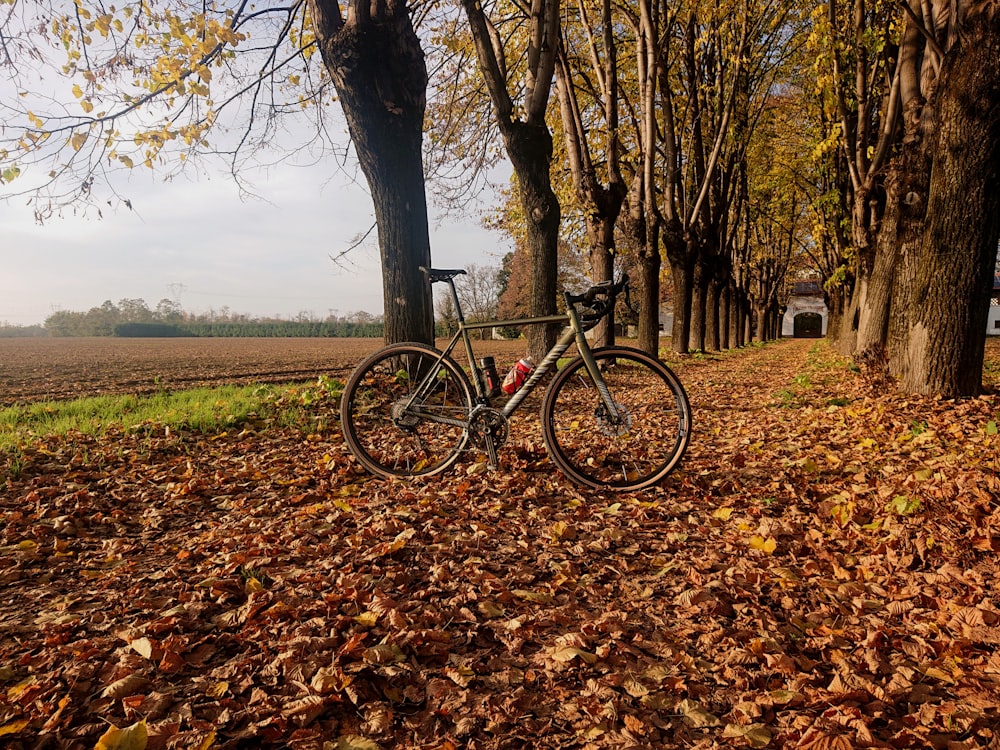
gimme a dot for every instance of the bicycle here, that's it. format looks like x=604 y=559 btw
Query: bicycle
x=613 y=418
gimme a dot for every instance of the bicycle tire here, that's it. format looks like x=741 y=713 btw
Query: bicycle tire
x=632 y=455
x=390 y=441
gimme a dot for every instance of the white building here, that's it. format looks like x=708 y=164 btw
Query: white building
x=993 y=321
x=806 y=314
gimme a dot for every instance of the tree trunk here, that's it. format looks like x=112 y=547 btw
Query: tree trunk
x=377 y=66
x=699 y=294
x=847 y=325
x=759 y=321
x=873 y=311
x=905 y=206
x=601 y=236
x=530 y=151
x=946 y=326
x=736 y=316
x=682 y=274
x=713 y=338
x=774 y=321
x=641 y=227
x=680 y=256
x=649 y=304
x=529 y=146
x=725 y=310
x=909 y=185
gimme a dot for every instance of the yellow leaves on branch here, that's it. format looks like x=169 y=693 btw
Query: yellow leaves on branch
x=77 y=140
x=188 y=43
x=85 y=103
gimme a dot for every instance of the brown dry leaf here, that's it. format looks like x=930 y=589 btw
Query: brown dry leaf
x=378 y=718
x=823 y=741
x=696 y=715
x=305 y=709
x=756 y=735
x=129 y=685
x=147 y=648
x=649 y=598
x=460 y=675
x=383 y=653
x=565 y=654
x=355 y=742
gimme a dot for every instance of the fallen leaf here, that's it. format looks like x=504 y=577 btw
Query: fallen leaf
x=129 y=685
x=131 y=738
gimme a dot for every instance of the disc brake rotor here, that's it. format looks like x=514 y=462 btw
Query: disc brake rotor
x=610 y=427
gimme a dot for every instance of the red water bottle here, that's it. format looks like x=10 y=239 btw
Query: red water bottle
x=517 y=375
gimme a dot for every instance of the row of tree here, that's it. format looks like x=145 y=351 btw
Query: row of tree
x=9 y=331
x=713 y=144
x=861 y=138
x=134 y=318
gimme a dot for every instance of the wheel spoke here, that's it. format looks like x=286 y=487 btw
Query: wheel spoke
x=636 y=450
x=403 y=414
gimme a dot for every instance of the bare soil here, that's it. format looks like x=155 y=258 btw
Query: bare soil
x=60 y=368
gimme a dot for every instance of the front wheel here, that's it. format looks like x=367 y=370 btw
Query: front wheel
x=405 y=411
x=636 y=449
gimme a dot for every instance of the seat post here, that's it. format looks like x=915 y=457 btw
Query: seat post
x=458 y=305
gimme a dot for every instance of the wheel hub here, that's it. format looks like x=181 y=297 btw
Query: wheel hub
x=401 y=418
x=614 y=427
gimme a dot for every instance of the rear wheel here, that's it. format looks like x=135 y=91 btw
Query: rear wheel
x=400 y=423
x=636 y=450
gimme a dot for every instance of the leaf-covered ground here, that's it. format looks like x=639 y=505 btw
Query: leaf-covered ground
x=821 y=573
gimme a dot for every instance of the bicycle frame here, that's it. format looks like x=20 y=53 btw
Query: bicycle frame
x=573 y=333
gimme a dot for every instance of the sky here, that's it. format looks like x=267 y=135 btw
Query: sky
x=194 y=239
x=197 y=242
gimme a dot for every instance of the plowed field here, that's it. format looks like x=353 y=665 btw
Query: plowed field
x=60 y=368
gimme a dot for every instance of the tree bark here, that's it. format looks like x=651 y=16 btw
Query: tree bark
x=682 y=274
x=737 y=315
x=699 y=301
x=681 y=258
x=906 y=188
x=601 y=203
x=908 y=196
x=530 y=151
x=725 y=311
x=529 y=146
x=946 y=327
x=602 y=268
x=713 y=310
x=378 y=69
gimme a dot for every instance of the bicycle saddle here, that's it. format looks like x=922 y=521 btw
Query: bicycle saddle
x=442 y=274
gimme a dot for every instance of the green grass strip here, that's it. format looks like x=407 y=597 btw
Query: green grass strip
x=205 y=410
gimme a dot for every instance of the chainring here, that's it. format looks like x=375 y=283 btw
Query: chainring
x=490 y=422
